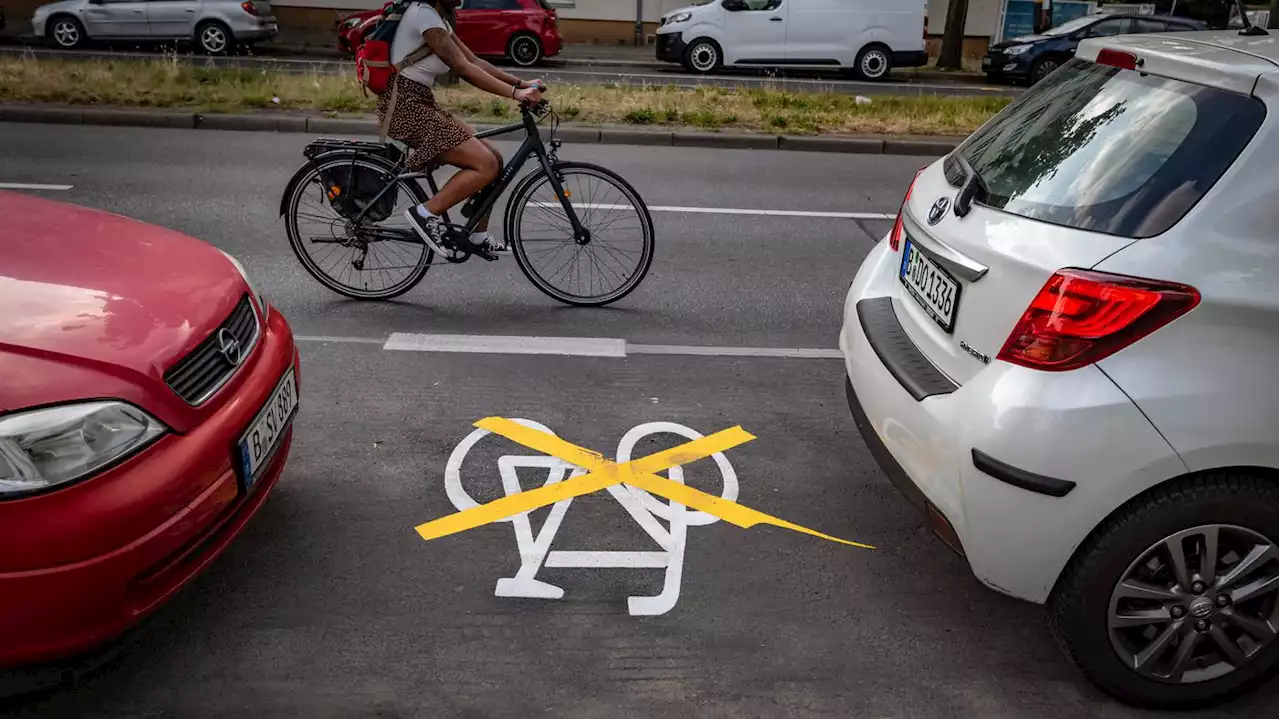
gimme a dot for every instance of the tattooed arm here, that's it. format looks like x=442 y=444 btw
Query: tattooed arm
x=444 y=47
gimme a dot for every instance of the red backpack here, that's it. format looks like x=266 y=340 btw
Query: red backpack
x=373 y=52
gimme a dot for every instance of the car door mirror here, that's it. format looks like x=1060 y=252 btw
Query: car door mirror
x=734 y=5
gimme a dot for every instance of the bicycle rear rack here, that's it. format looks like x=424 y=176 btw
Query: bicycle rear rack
x=323 y=146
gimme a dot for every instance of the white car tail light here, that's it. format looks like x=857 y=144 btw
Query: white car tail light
x=895 y=237
x=1080 y=317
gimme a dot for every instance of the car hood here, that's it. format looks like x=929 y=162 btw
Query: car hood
x=91 y=300
x=1020 y=40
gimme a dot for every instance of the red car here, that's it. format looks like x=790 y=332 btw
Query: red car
x=147 y=394
x=522 y=31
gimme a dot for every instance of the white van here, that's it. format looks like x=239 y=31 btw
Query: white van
x=869 y=37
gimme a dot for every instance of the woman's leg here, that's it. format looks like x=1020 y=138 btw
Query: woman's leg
x=477 y=166
x=483 y=225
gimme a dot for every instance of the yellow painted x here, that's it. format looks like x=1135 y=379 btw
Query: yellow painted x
x=602 y=473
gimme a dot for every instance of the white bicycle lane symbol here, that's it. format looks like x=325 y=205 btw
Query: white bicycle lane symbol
x=643 y=507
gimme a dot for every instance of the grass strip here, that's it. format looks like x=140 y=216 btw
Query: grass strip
x=171 y=84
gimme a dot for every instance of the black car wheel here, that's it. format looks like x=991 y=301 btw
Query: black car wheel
x=1041 y=68
x=1172 y=601
x=524 y=50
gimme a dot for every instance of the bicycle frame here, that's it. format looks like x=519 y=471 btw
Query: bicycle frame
x=532 y=145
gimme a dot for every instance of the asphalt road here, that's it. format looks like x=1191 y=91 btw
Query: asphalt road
x=331 y=606
x=558 y=73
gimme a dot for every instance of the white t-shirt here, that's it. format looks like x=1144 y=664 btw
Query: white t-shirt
x=419 y=18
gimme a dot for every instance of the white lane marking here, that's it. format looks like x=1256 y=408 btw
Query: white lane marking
x=732 y=211
x=493 y=344
x=31 y=186
x=571 y=346
x=694 y=350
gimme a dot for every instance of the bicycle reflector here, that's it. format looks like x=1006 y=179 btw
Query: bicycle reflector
x=895 y=237
x=1080 y=317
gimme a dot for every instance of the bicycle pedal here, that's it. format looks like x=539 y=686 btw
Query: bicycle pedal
x=486 y=255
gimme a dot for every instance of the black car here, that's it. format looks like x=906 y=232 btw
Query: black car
x=1031 y=57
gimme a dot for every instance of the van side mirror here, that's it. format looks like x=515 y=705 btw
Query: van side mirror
x=734 y=5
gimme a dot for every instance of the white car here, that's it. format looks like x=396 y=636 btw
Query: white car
x=868 y=37
x=1065 y=352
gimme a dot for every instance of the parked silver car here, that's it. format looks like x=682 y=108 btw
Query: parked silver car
x=214 y=26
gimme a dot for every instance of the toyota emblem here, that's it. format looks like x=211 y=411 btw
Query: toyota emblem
x=230 y=347
x=938 y=210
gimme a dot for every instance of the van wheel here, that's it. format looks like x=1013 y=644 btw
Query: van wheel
x=703 y=57
x=1172 y=601
x=874 y=63
x=66 y=32
x=524 y=50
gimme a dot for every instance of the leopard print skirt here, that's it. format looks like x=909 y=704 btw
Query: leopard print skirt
x=420 y=123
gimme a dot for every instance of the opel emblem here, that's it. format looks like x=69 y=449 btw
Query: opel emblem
x=938 y=210
x=230 y=347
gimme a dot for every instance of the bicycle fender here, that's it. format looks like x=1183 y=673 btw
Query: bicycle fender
x=298 y=176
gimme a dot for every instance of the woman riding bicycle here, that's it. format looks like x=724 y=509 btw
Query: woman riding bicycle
x=437 y=137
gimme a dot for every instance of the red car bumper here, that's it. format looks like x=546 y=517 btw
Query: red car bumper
x=53 y=612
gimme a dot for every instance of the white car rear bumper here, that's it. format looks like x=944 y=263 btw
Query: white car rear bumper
x=1070 y=434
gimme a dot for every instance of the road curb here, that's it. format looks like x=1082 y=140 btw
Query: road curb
x=609 y=135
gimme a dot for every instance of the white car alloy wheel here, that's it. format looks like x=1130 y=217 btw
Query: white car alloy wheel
x=66 y=32
x=214 y=39
x=704 y=57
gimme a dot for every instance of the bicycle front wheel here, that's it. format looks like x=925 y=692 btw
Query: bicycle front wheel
x=610 y=264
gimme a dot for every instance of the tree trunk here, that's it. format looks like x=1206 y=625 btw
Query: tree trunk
x=953 y=36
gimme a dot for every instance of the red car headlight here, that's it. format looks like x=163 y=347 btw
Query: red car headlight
x=44 y=448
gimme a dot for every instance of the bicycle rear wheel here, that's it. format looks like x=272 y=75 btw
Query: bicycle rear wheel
x=595 y=273
x=366 y=260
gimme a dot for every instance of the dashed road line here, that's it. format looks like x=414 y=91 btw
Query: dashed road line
x=495 y=344
x=563 y=346
x=732 y=211
x=32 y=186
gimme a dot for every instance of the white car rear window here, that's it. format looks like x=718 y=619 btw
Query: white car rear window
x=1109 y=150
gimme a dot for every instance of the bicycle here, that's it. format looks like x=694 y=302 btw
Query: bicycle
x=363 y=182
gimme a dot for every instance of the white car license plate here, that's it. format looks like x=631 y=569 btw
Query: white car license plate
x=267 y=429
x=933 y=287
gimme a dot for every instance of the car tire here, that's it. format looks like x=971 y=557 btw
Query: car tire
x=66 y=32
x=1108 y=628
x=703 y=56
x=524 y=50
x=214 y=38
x=1041 y=68
x=873 y=63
